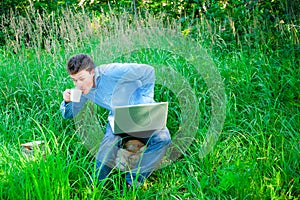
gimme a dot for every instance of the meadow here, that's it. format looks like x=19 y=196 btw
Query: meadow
x=255 y=157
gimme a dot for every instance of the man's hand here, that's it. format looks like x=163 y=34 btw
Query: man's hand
x=67 y=95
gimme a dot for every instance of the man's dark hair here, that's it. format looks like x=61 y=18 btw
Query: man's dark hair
x=80 y=62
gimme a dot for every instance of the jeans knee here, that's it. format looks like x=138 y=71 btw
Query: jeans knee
x=163 y=137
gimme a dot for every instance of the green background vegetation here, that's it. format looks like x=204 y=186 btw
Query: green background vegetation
x=255 y=46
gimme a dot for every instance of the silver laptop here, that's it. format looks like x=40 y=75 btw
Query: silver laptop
x=140 y=118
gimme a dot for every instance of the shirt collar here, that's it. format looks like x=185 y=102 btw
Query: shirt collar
x=97 y=74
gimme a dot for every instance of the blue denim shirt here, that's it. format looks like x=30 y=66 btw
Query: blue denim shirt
x=116 y=84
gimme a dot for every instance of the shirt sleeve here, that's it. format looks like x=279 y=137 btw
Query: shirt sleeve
x=146 y=90
x=135 y=84
x=66 y=110
x=70 y=109
x=145 y=74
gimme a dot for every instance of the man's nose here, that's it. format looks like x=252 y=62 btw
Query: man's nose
x=78 y=84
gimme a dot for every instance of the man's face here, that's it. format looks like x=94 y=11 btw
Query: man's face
x=84 y=80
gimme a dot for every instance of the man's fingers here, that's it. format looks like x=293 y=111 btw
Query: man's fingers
x=66 y=95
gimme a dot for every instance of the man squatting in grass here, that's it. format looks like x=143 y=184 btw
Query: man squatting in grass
x=114 y=85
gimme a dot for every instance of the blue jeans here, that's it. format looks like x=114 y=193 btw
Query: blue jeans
x=157 y=146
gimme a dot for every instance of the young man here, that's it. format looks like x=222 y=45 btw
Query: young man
x=114 y=85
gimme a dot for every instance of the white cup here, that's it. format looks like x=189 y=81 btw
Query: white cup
x=75 y=95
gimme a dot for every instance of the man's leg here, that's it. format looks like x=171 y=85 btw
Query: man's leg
x=107 y=154
x=157 y=146
x=102 y=171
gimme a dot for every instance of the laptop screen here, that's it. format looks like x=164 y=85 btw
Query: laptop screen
x=139 y=118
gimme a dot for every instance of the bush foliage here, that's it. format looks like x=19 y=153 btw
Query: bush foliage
x=231 y=16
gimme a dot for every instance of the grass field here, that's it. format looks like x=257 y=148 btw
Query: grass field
x=256 y=156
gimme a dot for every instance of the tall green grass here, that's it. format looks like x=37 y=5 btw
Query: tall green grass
x=256 y=157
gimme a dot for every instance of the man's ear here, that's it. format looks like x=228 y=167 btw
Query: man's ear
x=92 y=72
